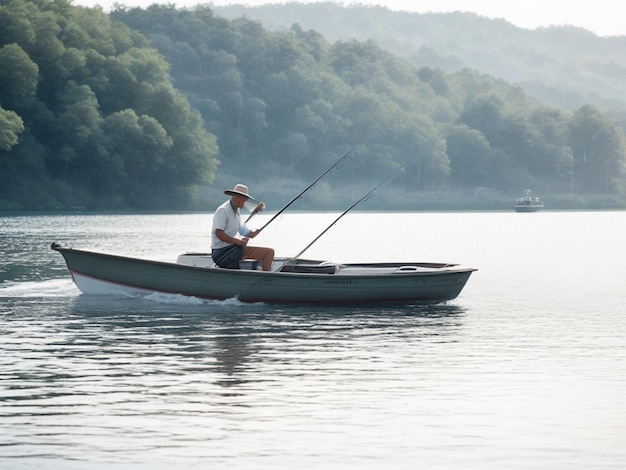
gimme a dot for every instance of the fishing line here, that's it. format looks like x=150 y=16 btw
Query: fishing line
x=370 y=132
x=368 y=194
x=345 y=155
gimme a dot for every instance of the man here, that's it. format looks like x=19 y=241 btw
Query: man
x=226 y=248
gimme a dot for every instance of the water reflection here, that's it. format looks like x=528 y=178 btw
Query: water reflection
x=151 y=367
x=232 y=349
x=233 y=342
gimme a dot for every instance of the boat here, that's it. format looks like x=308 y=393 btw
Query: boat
x=291 y=281
x=528 y=203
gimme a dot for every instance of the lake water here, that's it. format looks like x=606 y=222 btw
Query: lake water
x=526 y=369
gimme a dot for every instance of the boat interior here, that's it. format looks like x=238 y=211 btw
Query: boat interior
x=306 y=266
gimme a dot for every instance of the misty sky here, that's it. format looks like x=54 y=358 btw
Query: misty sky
x=603 y=17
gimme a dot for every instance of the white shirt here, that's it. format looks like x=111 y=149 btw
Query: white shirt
x=226 y=218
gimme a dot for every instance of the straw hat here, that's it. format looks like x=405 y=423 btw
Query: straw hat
x=239 y=190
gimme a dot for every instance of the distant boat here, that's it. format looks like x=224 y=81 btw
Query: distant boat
x=528 y=203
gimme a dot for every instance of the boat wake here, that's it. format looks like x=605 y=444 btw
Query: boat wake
x=48 y=288
x=58 y=288
x=177 y=299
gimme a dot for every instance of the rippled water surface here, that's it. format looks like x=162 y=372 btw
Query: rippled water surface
x=526 y=369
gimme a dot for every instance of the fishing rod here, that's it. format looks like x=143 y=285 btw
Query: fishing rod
x=351 y=207
x=370 y=132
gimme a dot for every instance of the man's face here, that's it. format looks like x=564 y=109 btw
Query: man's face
x=239 y=201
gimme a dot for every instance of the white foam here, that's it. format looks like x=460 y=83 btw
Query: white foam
x=175 y=299
x=47 y=288
x=178 y=299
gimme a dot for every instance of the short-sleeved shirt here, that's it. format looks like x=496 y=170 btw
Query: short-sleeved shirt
x=228 y=219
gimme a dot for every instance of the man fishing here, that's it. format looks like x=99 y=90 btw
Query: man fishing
x=226 y=248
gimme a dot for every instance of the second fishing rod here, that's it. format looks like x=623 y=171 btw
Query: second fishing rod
x=358 y=201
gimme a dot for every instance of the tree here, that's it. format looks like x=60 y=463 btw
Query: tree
x=11 y=125
x=140 y=144
x=599 y=150
x=18 y=75
x=436 y=79
x=472 y=160
x=17 y=27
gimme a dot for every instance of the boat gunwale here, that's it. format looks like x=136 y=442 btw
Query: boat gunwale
x=436 y=269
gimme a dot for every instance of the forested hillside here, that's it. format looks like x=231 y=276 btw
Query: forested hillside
x=92 y=115
x=89 y=116
x=563 y=66
x=285 y=104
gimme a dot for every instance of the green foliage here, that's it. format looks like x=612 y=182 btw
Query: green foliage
x=473 y=161
x=599 y=151
x=11 y=126
x=18 y=75
x=90 y=116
